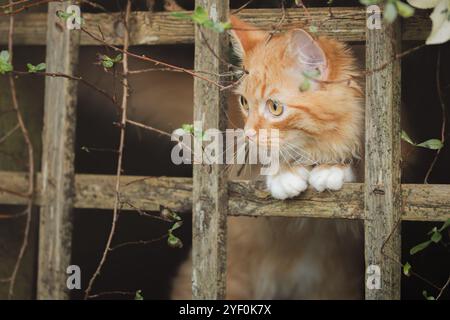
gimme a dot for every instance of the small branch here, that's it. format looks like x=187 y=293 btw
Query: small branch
x=109 y=293
x=9 y=133
x=139 y=242
x=30 y=152
x=444 y=115
x=148 y=59
x=62 y=75
x=443 y=289
x=13 y=215
x=242 y=7
x=124 y=106
x=415 y=274
x=24 y=7
x=147 y=127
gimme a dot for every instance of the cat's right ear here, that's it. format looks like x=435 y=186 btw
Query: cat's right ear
x=244 y=36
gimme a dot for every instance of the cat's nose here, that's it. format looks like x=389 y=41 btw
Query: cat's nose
x=250 y=133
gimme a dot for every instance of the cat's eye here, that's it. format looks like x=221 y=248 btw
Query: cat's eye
x=274 y=107
x=243 y=102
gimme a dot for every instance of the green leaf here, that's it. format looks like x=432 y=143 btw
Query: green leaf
x=434 y=144
x=432 y=230
x=305 y=86
x=425 y=294
x=108 y=62
x=419 y=247
x=436 y=237
x=406 y=138
x=138 y=295
x=445 y=225
x=41 y=67
x=313 y=29
x=188 y=128
x=4 y=55
x=175 y=226
x=390 y=12
x=5 y=64
x=181 y=15
x=404 y=9
x=64 y=15
x=118 y=58
x=200 y=15
x=221 y=26
x=174 y=216
x=174 y=242
x=33 y=68
x=369 y=2
x=407 y=269
x=312 y=74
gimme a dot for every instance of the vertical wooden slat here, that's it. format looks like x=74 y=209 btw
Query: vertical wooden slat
x=382 y=163
x=209 y=183
x=55 y=230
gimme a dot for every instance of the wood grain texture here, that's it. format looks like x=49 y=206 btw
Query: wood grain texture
x=347 y=24
x=209 y=196
x=55 y=229
x=382 y=192
x=420 y=202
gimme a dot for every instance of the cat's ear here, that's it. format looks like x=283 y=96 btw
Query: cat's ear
x=244 y=36
x=308 y=52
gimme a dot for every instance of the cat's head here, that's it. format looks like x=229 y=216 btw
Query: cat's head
x=302 y=86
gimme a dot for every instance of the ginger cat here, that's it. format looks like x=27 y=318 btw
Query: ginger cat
x=302 y=86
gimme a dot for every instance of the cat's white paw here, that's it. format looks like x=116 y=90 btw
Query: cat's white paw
x=288 y=184
x=332 y=178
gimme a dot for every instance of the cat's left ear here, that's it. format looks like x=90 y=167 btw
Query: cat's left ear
x=308 y=53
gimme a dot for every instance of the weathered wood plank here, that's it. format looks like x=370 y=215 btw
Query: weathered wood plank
x=55 y=230
x=420 y=202
x=382 y=161
x=347 y=24
x=209 y=196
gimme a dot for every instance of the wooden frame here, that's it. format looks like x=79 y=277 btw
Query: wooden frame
x=381 y=201
x=55 y=225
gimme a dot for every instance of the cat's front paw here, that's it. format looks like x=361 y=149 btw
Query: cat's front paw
x=288 y=184
x=330 y=177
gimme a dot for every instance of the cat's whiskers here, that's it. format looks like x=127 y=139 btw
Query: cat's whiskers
x=302 y=154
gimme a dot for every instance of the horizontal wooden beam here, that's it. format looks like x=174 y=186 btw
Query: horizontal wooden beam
x=347 y=24
x=421 y=202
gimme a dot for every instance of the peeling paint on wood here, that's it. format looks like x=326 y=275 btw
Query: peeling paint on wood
x=347 y=24
x=55 y=228
x=383 y=200
x=421 y=202
x=209 y=181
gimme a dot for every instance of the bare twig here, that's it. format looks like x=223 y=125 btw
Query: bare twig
x=70 y=77
x=444 y=115
x=147 y=127
x=24 y=7
x=30 y=152
x=120 y=153
x=9 y=133
x=415 y=274
x=149 y=59
x=139 y=242
x=110 y=293
x=13 y=215
x=443 y=289
x=242 y=7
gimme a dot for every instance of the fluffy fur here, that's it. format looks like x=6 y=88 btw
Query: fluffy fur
x=320 y=133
